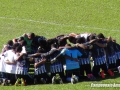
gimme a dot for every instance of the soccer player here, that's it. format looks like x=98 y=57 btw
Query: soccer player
x=7 y=46
x=99 y=58
x=111 y=54
x=21 y=66
x=40 y=71
x=84 y=60
x=72 y=65
x=117 y=52
x=10 y=57
x=36 y=42
x=56 y=68
x=28 y=38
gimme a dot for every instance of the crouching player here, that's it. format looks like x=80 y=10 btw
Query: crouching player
x=72 y=65
x=56 y=68
x=21 y=67
x=41 y=71
x=84 y=60
x=99 y=58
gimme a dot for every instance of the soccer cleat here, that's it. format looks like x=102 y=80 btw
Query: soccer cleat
x=118 y=69
x=4 y=82
x=53 y=80
x=110 y=72
x=88 y=76
x=23 y=82
x=18 y=81
x=43 y=80
x=91 y=77
x=74 y=79
x=102 y=74
x=35 y=81
x=57 y=79
x=60 y=81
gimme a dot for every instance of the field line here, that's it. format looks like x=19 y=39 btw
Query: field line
x=58 y=24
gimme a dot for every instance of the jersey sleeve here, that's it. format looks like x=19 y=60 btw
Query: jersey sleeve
x=63 y=51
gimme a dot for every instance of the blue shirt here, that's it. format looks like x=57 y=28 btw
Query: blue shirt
x=73 y=53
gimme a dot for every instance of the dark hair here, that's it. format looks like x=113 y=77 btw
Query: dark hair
x=100 y=35
x=15 y=45
x=32 y=35
x=51 y=41
x=42 y=43
x=92 y=37
x=20 y=38
x=62 y=42
x=40 y=50
x=80 y=40
x=60 y=36
x=72 y=39
x=18 y=48
x=10 y=42
x=23 y=43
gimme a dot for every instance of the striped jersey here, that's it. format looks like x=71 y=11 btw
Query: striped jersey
x=110 y=53
x=22 y=65
x=98 y=54
x=41 y=68
x=85 y=58
x=56 y=66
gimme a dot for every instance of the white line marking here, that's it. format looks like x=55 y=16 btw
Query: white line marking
x=57 y=24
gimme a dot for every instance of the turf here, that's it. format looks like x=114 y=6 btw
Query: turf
x=50 y=18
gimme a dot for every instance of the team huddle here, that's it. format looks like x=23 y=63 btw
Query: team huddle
x=64 y=58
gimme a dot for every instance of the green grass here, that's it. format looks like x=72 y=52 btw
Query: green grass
x=53 y=17
x=85 y=85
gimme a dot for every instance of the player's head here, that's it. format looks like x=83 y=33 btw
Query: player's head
x=72 y=39
x=15 y=46
x=40 y=50
x=100 y=35
x=10 y=44
x=42 y=43
x=20 y=39
x=80 y=40
x=92 y=37
x=18 y=48
x=23 y=43
x=31 y=35
x=51 y=42
x=62 y=42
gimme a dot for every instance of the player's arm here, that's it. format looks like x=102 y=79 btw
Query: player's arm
x=81 y=45
x=61 y=53
x=101 y=45
x=19 y=57
x=49 y=53
x=40 y=62
x=33 y=55
x=8 y=62
x=71 y=58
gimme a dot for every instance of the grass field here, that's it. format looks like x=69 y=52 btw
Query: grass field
x=53 y=17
